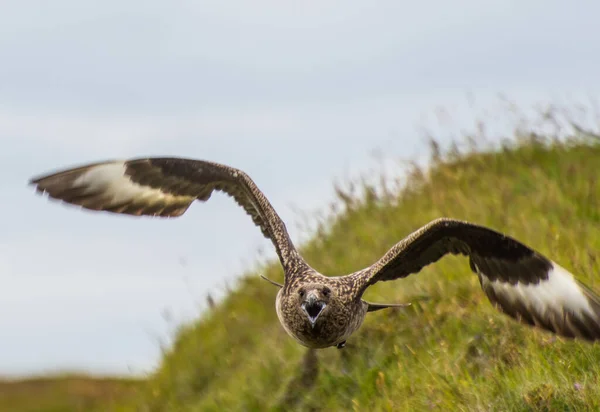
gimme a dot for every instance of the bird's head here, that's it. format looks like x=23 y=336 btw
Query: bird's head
x=313 y=300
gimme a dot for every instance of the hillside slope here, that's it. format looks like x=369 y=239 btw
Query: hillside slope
x=64 y=392
x=451 y=351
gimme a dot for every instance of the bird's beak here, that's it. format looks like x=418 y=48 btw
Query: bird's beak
x=313 y=307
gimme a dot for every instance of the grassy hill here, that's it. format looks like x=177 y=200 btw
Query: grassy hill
x=65 y=392
x=451 y=351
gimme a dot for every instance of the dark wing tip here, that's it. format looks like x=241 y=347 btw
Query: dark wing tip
x=51 y=178
x=106 y=186
x=34 y=181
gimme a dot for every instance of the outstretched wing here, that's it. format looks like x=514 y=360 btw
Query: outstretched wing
x=165 y=187
x=517 y=280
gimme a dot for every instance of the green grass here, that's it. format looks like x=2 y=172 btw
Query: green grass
x=452 y=351
x=66 y=392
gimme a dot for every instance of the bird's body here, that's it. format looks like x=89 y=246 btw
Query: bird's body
x=320 y=311
x=342 y=315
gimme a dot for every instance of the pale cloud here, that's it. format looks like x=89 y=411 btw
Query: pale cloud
x=162 y=57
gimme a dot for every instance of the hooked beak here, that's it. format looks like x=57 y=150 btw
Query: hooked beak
x=313 y=308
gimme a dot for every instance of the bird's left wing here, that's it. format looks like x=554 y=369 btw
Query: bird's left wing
x=518 y=280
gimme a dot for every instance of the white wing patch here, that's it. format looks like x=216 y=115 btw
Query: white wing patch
x=109 y=180
x=559 y=293
x=106 y=186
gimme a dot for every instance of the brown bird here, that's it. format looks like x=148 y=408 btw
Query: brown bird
x=321 y=311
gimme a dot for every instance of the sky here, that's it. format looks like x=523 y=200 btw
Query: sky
x=298 y=94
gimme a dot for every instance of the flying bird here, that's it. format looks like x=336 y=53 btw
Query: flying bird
x=321 y=311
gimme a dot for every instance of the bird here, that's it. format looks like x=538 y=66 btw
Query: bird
x=321 y=311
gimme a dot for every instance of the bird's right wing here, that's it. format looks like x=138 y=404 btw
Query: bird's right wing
x=166 y=187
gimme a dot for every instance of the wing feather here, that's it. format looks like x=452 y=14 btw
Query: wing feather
x=165 y=187
x=517 y=280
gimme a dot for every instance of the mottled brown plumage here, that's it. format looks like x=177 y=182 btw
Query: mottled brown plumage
x=320 y=311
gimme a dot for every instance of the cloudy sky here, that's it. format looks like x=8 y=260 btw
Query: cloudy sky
x=298 y=94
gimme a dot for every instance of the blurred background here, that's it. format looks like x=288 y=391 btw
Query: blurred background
x=298 y=94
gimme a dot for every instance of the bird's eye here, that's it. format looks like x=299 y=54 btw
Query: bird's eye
x=301 y=293
x=326 y=292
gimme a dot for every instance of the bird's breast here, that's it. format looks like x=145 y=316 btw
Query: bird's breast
x=331 y=328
